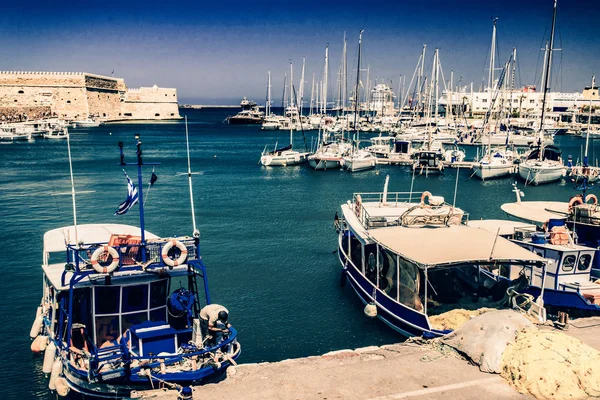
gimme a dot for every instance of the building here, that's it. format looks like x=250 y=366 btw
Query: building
x=78 y=95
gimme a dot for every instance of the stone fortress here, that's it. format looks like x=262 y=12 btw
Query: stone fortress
x=79 y=95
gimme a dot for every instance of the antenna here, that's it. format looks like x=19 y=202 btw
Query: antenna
x=187 y=142
x=72 y=186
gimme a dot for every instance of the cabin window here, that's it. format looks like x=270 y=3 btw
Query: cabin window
x=158 y=294
x=568 y=263
x=584 y=262
x=135 y=298
x=108 y=299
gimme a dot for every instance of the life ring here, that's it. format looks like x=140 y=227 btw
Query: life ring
x=593 y=197
x=165 y=253
x=103 y=252
x=575 y=201
x=358 y=205
x=424 y=196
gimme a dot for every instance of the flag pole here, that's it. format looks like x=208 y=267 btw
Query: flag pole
x=141 y=196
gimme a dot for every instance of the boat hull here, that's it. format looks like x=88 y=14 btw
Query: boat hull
x=283 y=160
x=484 y=172
x=323 y=164
x=358 y=164
x=537 y=173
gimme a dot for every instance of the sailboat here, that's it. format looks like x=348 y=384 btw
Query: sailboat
x=286 y=156
x=358 y=159
x=544 y=163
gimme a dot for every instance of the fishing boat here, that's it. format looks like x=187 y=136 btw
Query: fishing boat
x=566 y=283
x=121 y=308
x=9 y=133
x=86 y=123
x=400 y=252
x=250 y=114
x=544 y=163
x=56 y=133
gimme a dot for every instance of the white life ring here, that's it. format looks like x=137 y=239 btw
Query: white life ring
x=165 y=253
x=424 y=196
x=101 y=252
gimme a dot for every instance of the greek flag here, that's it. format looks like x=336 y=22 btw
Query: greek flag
x=132 y=197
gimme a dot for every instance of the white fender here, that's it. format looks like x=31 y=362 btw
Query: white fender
x=56 y=369
x=371 y=310
x=36 y=328
x=49 y=357
x=62 y=388
x=39 y=344
x=165 y=253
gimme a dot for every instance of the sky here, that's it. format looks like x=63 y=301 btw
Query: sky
x=217 y=52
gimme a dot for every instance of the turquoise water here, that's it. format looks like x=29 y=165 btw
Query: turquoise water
x=267 y=234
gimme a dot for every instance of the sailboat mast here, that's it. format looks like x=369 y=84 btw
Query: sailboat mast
x=587 y=136
x=344 y=75
x=268 y=107
x=492 y=57
x=312 y=93
x=325 y=80
x=291 y=102
x=547 y=81
x=437 y=75
x=301 y=101
x=356 y=87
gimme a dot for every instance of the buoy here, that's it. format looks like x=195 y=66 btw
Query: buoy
x=36 y=328
x=371 y=310
x=49 y=357
x=215 y=156
x=39 y=344
x=56 y=369
x=62 y=388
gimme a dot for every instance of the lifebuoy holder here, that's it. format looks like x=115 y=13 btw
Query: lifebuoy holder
x=165 y=253
x=102 y=253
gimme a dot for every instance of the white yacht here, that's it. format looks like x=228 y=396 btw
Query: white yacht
x=495 y=164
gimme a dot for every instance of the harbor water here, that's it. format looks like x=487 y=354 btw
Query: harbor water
x=267 y=234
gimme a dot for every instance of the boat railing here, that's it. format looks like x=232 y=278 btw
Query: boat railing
x=79 y=257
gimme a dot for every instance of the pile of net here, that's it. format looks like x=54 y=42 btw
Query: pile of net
x=456 y=318
x=551 y=365
x=483 y=339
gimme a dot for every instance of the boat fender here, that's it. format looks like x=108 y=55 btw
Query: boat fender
x=49 y=357
x=358 y=205
x=165 y=253
x=62 y=388
x=424 y=196
x=102 y=252
x=592 y=197
x=55 y=373
x=343 y=277
x=371 y=310
x=39 y=344
x=36 y=328
x=575 y=200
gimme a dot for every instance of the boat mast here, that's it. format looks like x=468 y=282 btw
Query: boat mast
x=356 y=89
x=492 y=57
x=587 y=136
x=187 y=143
x=436 y=84
x=268 y=106
x=546 y=82
x=344 y=75
x=325 y=80
x=291 y=103
x=301 y=101
x=73 y=187
x=312 y=93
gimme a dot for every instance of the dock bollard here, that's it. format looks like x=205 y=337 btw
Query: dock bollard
x=185 y=393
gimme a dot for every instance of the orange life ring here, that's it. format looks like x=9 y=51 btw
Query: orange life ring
x=102 y=253
x=575 y=201
x=593 y=197
x=424 y=196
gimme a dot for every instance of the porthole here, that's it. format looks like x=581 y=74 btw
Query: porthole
x=568 y=263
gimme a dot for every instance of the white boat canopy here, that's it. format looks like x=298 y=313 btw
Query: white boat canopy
x=502 y=227
x=537 y=211
x=57 y=239
x=452 y=246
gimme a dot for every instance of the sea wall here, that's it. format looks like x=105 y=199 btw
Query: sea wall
x=77 y=95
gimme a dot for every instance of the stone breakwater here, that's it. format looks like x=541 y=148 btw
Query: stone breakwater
x=27 y=95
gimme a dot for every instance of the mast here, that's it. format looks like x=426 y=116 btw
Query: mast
x=325 y=80
x=436 y=84
x=312 y=93
x=291 y=103
x=73 y=187
x=268 y=106
x=301 y=101
x=283 y=97
x=187 y=142
x=587 y=136
x=344 y=75
x=492 y=56
x=546 y=82
x=356 y=88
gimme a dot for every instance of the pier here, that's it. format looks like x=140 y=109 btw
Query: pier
x=398 y=371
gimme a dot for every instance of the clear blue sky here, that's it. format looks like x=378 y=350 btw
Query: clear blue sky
x=218 y=51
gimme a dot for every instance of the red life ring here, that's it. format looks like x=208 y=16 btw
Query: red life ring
x=593 y=197
x=165 y=253
x=104 y=251
x=577 y=200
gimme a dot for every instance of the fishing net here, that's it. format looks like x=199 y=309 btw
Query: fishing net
x=454 y=319
x=551 y=365
x=483 y=339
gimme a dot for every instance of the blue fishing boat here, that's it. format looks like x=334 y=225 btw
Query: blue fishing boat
x=403 y=252
x=121 y=310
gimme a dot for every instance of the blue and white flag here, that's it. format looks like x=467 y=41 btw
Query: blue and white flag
x=132 y=197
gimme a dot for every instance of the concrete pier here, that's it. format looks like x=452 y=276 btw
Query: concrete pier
x=398 y=371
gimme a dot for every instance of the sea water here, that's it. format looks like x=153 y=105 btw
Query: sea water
x=267 y=234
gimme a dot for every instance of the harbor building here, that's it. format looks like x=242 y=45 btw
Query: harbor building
x=78 y=95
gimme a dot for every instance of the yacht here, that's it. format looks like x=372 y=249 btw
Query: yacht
x=250 y=114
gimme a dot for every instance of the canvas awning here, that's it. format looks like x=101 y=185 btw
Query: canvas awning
x=451 y=246
x=56 y=239
x=537 y=211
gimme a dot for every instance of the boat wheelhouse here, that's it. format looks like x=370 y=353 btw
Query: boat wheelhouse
x=399 y=254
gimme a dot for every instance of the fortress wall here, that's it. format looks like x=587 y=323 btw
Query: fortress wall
x=105 y=104
x=151 y=94
x=150 y=103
